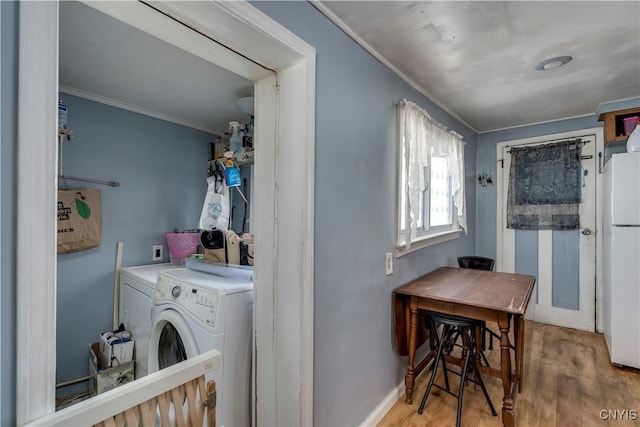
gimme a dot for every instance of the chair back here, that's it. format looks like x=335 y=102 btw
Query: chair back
x=476 y=262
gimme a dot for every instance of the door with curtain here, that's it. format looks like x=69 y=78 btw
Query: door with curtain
x=563 y=256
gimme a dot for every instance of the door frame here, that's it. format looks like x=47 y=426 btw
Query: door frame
x=599 y=152
x=284 y=191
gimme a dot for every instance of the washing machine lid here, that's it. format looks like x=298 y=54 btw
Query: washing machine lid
x=225 y=284
x=146 y=274
x=227 y=270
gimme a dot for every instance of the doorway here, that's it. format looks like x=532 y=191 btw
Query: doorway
x=288 y=97
x=563 y=261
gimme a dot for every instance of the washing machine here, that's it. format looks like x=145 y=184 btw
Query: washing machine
x=194 y=312
x=137 y=288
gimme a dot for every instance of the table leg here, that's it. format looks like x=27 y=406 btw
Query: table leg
x=479 y=334
x=409 y=379
x=516 y=339
x=520 y=350
x=508 y=416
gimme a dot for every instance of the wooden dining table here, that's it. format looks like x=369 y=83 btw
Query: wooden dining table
x=477 y=294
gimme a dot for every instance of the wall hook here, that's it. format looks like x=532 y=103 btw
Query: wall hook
x=484 y=179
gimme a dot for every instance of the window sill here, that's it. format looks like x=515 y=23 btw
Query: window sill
x=426 y=241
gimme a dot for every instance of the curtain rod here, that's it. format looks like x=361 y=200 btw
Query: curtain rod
x=576 y=141
x=94 y=181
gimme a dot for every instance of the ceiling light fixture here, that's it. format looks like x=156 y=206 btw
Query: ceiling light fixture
x=245 y=105
x=552 y=63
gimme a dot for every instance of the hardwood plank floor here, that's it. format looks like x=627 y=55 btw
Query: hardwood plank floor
x=568 y=381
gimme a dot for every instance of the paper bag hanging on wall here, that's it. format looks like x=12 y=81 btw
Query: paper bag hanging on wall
x=79 y=219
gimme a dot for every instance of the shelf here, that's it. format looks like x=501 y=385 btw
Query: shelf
x=614 y=124
x=239 y=159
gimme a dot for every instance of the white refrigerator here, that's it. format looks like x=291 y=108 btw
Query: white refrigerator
x=621 y=252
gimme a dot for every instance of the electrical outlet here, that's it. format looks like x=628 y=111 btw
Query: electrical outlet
x=157 y=252
x=388 y=264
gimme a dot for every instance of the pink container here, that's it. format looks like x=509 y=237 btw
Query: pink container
x=630 y=124
x=181 y=245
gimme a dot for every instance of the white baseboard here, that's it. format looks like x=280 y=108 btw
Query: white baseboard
x=385 y=406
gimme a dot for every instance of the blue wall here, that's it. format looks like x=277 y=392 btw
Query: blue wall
x=9 y=76
x=355 y=364
x=161 y=168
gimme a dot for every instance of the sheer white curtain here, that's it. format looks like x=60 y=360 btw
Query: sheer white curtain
x=424 y=137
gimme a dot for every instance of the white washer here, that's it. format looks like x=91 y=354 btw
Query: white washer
x=195 y=312
x=137 y=288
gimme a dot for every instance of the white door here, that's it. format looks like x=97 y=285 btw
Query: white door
x=563 y=261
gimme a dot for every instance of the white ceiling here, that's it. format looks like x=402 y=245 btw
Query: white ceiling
x=476 y=58
x=104 y=59
x=473 y=58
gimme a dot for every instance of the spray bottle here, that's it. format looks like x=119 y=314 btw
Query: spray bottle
x=235 y=140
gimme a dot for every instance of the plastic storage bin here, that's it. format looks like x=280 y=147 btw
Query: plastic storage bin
x=630 y=124
x=181 y=245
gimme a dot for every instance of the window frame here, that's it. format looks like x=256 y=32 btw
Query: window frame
x=426 y=235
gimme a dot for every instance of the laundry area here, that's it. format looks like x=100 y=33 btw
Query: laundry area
x=155 y=243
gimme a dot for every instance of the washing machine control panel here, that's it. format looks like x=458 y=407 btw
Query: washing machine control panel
x=201 y=302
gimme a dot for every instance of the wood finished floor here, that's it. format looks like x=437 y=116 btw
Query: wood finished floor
x=568 y=380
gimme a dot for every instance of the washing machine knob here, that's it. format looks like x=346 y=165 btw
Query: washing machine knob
x=175 y=291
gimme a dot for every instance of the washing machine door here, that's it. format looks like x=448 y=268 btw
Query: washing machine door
x=171 y=340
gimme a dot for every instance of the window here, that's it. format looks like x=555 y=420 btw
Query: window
x=431 y=179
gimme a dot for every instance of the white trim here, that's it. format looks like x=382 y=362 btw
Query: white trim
x=385 y=406
x=563 y=317
x=543 y=122
x=288 y=333
x=504 y=259
x=308 y=236
x=295 y=204
x=118 y=400
x=36 y=213
x=599 y=152
x=426 y=241
x=545 y=273
x=366 y=46
x=293 y=252
x=133 y=108
x=266 y=298
x=1 y=337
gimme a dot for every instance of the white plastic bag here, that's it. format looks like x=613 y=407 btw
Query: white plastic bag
x=215 y=211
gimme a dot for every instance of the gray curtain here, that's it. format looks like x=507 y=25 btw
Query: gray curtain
x=545 y=184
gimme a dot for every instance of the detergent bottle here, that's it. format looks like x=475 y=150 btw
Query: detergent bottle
x=232 y=173
x=235 y=140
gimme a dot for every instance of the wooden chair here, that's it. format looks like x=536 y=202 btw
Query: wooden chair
x=477 y=262
x=175 y=395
